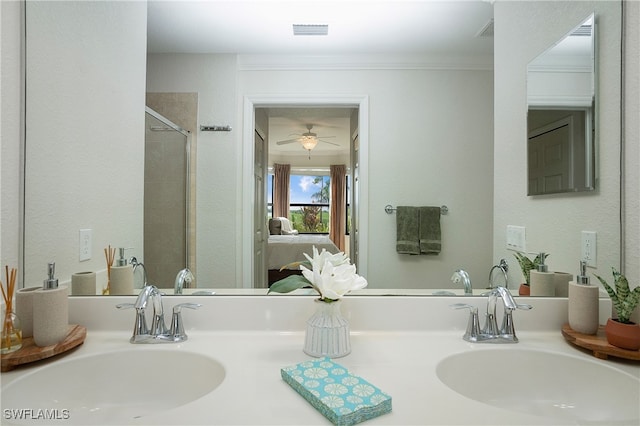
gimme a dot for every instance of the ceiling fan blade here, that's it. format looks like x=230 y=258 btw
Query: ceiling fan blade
x=331 y=143
x=288 y=141
x=325 y=137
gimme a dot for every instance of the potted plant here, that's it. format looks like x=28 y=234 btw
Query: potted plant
x=332 y=276
x=526 y=265
x=622 y=332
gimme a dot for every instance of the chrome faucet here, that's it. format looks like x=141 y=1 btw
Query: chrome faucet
x=159 y=333
x=503 y=267
x=461 y=275
x=184 y=279
x=490 y=333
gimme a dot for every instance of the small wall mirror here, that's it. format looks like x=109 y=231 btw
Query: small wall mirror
x=561 y=112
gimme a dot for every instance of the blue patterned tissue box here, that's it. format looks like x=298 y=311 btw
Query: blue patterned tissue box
x=343 y=398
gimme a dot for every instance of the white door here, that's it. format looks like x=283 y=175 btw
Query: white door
x=549 y=158
x=260 y=212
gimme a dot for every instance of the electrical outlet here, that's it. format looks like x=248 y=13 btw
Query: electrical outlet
x=85 y=244
x=589 y=248
x=516 y=238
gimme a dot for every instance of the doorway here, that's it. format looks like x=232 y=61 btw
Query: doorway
x=359 y=216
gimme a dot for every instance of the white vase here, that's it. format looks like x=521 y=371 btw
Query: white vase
x=327 y=332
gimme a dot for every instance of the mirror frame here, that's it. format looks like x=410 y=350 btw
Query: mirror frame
x=565 y=107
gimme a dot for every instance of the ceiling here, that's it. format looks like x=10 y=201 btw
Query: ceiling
x=330 y=124
x=355 y=26
x=453 y=28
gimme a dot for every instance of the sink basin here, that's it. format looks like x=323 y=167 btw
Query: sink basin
x=113 y=387
x=545 y=384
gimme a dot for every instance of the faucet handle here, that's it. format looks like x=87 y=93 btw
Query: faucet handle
x=508 y=331
x=178 y=308
x=125 y=306
x=473 y=325
x=463 y=306
x=140 y=327
x=177 y=326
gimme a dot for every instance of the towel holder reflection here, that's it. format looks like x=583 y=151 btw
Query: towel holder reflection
x=389 y=209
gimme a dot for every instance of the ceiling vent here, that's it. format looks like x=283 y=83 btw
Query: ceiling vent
x=310 y=29
x=487 y=30
x=582 y=30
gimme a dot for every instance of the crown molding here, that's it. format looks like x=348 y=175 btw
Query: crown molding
x=363 y=62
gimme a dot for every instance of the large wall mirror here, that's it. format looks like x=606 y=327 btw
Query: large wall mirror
x=561 y=87
x=429 y=138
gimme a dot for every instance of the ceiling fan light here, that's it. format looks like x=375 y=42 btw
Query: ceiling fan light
x=309 y=142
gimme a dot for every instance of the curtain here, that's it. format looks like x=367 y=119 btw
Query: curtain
x=338 y=206
x=281 y=174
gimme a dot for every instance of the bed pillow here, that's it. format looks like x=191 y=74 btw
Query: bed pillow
x=286 y=228
x=275 y=227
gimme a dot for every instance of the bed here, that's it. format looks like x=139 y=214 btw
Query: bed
x=284 y=249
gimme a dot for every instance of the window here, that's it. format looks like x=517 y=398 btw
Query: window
x=309 y=203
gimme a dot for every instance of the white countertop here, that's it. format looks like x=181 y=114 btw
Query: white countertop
x=400 y=361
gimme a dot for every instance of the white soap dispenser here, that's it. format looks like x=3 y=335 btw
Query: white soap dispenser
x=121 y=276
x=542 y=281
x=583 y=305
x=50 y=311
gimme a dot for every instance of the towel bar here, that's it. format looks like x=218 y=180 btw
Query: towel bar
x=215 y=128
x=389 y=209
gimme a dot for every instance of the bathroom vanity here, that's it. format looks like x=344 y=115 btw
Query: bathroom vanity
x=409 y=347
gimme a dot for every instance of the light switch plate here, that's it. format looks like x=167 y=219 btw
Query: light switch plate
x=85 y=244
x=516 y=238
x=589 y=248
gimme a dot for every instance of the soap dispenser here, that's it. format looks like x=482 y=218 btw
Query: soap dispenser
x=50 y=311
x=542 y=281
x=583 y=305
x=121 y=276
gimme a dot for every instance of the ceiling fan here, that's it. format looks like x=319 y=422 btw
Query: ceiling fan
x=308 y=140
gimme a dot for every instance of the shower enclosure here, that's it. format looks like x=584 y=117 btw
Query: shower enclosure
x=166 y=199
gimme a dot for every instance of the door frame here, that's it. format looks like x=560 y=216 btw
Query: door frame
x=244 y=272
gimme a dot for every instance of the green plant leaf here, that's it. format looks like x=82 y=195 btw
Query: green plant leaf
x=628 y=305
x=624 y=300
x=622 y=285
x=288 y=284
x=610 y=291
x=527 y=265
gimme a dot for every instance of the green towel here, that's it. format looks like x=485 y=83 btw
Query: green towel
x=430 y=238
x=408 y=230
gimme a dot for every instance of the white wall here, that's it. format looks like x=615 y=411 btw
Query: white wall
x=10 y=133
x=213 y=77
x=632 y=146
x=93 y=51
x=430 y=144
x=522 y=31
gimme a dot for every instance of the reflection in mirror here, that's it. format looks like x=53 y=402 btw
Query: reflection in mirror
x=561 y=114
x=430 y=140
x=166 y=199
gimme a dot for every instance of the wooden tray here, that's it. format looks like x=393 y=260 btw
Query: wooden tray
x=29 y=352
x=598 y=344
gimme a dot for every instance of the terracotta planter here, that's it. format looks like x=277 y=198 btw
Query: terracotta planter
x=524 y=290
x=625 y=336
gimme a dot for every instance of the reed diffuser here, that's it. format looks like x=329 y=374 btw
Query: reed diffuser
x=110 y=255
x=11 y=330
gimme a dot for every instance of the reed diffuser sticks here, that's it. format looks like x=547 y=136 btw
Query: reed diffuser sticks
x=11 y=331
x=110 y=255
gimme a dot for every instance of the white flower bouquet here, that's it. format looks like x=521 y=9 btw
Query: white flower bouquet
x=331 y=275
